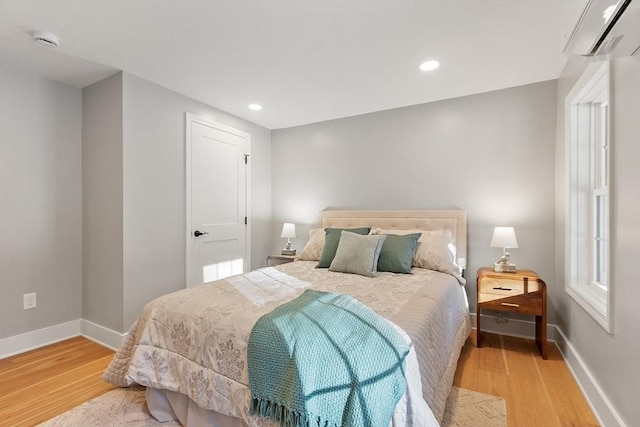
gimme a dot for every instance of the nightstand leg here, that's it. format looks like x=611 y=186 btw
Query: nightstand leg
x=541 y=336
x=478 y=328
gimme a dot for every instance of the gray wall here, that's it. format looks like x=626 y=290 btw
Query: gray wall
x=154 y=189
x=40 y=201
x=93 y=198
x=490 y=154
x=102 y=187
x=612 y=359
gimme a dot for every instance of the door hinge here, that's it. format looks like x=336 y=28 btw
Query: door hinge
x=246 y=158
x=245 y=220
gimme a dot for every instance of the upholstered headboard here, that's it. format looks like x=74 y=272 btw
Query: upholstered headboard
x=452 y=220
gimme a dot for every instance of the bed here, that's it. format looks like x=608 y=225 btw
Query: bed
x=189 y=348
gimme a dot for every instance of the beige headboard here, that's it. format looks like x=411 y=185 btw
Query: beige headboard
x=452 y=220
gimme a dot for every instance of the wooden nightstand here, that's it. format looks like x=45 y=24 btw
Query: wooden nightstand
x=519 y=292
x=273 y=260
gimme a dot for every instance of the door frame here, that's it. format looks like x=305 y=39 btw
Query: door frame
x=191 y=118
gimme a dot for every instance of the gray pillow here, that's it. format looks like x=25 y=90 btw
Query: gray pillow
x=358 y=254
x=331 y=239
x=397 y=252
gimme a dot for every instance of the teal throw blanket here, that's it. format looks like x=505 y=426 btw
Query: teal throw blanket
x=325 y=360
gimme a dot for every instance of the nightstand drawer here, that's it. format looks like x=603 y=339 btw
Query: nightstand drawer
x=507 y=287
x=526 y=304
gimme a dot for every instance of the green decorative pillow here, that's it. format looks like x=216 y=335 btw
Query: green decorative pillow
x=331 y=240
x=436 y=250
x=357 y=254
x=397 y=252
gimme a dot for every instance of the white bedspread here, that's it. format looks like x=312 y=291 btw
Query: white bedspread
x=194 y=341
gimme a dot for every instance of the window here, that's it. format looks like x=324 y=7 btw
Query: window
x=588 y=142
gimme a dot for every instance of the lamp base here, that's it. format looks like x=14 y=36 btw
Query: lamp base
x=500 y=267
x=288 y=252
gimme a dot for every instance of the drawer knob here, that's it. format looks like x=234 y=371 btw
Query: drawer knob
x=508 y=304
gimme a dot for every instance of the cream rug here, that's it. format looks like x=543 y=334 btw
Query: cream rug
x=466 y=408
x=126 y=407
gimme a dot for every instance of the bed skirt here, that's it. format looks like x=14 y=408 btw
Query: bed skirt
x=167 y=405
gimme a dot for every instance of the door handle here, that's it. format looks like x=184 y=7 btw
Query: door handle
x=199 y=233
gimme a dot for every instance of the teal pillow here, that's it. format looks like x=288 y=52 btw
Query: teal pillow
x=397 y=252
x=331 y=240
x=358 y=254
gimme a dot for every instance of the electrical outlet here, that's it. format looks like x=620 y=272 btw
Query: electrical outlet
x=29 y=301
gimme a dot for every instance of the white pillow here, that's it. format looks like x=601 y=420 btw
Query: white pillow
x=435 y=251
x=357 y=254
x=314 y=246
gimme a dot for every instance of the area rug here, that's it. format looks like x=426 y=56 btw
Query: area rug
x=466 y=408
x=126 y=407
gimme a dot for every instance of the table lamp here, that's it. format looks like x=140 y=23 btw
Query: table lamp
x=504 y=237
x=288 y=231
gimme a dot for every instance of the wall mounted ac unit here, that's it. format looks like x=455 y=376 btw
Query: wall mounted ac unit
x=606 y=29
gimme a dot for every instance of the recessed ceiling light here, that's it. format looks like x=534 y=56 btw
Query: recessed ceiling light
x=255 y=107
x=429 y=65
x=46 y=39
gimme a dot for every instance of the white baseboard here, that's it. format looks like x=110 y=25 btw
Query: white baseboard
x=103 y=336
x=600 y=404
x=593 y=393
x=52 y=334
x=38 y=338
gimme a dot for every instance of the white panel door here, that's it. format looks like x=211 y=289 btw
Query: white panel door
x=216 y=201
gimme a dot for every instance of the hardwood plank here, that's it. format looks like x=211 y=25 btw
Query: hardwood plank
x=564 y=392
x=528 y=403
x=56 y=402
x=55 y=383
x=35 y=370
x=38 y=385
x=492 y=358
x=71 y=343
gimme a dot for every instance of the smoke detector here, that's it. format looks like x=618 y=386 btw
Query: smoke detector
x=46 y=39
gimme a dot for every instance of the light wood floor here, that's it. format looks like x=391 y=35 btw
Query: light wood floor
x=43 y=383
x=40 y=384
x=538 y=392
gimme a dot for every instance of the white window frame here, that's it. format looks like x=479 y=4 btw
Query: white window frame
x=588 y=166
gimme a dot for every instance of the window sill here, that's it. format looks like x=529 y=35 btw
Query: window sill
x=593 y=300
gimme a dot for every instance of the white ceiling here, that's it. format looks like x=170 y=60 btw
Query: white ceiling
x=304 y=61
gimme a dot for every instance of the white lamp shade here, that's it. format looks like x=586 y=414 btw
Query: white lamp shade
x=504 y=237
x=288 y=230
